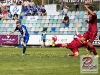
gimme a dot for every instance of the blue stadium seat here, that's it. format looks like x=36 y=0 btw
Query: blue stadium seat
x=35 y=32
x=53 y=29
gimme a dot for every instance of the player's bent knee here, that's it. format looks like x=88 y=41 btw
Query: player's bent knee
x=76 y=53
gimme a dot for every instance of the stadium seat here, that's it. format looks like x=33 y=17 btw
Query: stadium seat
x=65 y=33
x=82 y=13
x=61 y=29
x=34 y=25
x=66 y=29
x=34 y=21
x=98 y=20
x=40 y=29
x=3 y=25
x=27 y=21
x=1 y=29
x=48 y=17
x=7 y=25
x=72 y=17
x=83 y=29
x=73 y=13
x=9 y=29
x=57 y=29
x=39 y=17
x=69 y=32
x=52 y=33
x=56 y=17
x=54 y=25
x=50 y=25
x=98 y=12
x=3 y=21
x=33 y=29
x=38 y=25
x=70 y=29
x=49 y=29
x=58 y=25
x=80 y=20
x=69 y=13
x=56 y=33
x=29 y=28
x=81 y=16
x=61 y=33
x=41 y=25
x=0 y=25
x=71 y=25
x=73 y=29
x=48 y=32
x=76 y=20
x=71 y=21
x=44 y=17
x=98 y=16
x=53 y=29
x=46 y=21
x=62 y=25
x=51 y=21
x=59 y=21
x=46 y=25
x=8 y=21
x=86 y=16
x=45 y=28
x=30 y=25
x=55 y=21
x=39 y=33
x=35 y=32
x=38 y=21
x=60 y=17
x=52 y=17
x=43 y=21
x=23 y=21
x=13 y=21
x=77 y=12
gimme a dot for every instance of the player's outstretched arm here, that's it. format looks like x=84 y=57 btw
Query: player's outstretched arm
x=11 y=32
x=90 y=11
x=77 y=28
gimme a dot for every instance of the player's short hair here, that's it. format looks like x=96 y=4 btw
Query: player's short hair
x=91 y=8
x=18 y=22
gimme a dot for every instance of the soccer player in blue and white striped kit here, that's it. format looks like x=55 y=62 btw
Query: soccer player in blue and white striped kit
x=43 y=37
x=24 y=34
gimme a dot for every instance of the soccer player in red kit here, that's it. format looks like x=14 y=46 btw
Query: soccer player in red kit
x=92 y=30
x=74 y=45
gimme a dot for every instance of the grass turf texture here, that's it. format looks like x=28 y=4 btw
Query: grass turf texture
x=40 y=61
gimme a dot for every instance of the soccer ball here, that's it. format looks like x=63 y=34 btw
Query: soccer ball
x=75 y=36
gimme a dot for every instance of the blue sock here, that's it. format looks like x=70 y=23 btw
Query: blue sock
x=24 y=49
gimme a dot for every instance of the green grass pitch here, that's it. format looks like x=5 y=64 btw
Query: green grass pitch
x=40 y=61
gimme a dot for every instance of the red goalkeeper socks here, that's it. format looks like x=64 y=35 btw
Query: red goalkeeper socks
x=58 y=45
x=94 y=50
